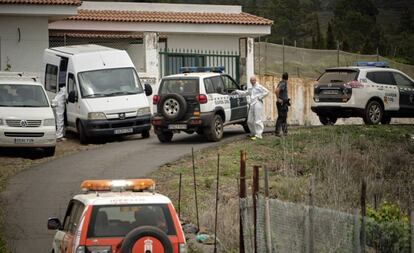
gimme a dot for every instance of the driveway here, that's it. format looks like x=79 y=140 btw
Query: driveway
x=44 y=191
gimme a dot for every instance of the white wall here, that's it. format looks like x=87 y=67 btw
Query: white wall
x=27 y=54
x=203 y=42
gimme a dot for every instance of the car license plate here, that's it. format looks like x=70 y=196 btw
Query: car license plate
x=331 y=92
x=124 y=131
x=23 y=141
x=177 y=126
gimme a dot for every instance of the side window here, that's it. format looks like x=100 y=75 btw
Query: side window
x=51 y=78
x=381 y=77
x=229 y=84
x=402 y=81
x=208 y=84
x=71 y=82
x=68 y=216
x=218 y=84
x=72 y=217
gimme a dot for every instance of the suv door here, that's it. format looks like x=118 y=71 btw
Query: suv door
x=238 y=104
x=220 y=96
x=387 y=87
x=406 y=88
x=70 y=225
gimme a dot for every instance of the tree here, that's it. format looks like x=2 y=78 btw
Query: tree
x=320 y=43
x=406 y=21
x=330 y=38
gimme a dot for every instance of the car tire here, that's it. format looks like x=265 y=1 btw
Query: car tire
x=327 y=120
x=145 y=134
x=246 y=128
x=386 y=120
x=83 y=138
x=165 y=137
x=215 y=131
x=172 y=106
x=373 y=113
x=49 y=151
x=200 y=131
x=132 y=237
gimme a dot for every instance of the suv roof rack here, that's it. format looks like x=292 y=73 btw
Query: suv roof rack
x=219 y=69
x=379 y=64
x=19 y=75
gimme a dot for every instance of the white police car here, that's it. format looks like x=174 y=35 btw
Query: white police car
x=369 y=90
x=198 y=100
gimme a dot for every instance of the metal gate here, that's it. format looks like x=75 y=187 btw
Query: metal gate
x=172 y=60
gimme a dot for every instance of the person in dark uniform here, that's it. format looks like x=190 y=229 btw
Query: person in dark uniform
x=282 y=105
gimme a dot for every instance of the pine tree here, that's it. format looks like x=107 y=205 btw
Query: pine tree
x=319 y=37
x=330 y=38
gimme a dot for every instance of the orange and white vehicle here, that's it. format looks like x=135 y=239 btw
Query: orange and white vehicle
x=118 y=216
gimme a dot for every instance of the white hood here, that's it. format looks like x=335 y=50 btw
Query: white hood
x=118 y=104
x=26 y=113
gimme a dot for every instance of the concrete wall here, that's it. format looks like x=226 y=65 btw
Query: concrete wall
x=300 y=91
x=27 y=54
x=203 y=42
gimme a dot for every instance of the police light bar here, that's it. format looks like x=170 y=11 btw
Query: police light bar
x=379 y=64
x=118 y=185
x=220 y=69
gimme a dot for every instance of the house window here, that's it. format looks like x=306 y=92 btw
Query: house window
x=51 y=77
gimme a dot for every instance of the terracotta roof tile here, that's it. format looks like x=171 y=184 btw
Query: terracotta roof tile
x=170 y=17
x=99 y=35
x=43 y=2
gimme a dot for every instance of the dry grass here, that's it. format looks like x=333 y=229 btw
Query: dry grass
x=337 y=157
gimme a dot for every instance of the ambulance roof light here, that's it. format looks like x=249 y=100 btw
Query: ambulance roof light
x=118 y=185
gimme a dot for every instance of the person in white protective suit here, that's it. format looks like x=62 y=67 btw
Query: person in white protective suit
x=60 y=101
x=255 y=118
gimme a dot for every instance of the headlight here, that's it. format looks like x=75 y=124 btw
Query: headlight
x=96 y=115
x=80 y=249
x=49 y=122
x=143 y=111
x=99 y=249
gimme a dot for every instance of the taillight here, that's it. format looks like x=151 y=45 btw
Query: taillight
x=155 y=99
x=354 y=84
x=202 y=99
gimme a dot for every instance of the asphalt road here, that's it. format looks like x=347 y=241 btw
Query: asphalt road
x=36 y=194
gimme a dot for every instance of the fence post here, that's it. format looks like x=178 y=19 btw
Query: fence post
x=254 y=195
x=363 y=213
x=311 y=207
x=283 y=55
x=242 y=195
x=195 y=190
x=412 y=231
x=267 y=212
x=179 y=197
x=337 y=53
x=357 y=246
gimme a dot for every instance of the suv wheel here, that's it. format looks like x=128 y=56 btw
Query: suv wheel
x=146 y=231
x=165 y=136
x=373 y=113
x=215 y=131
x=172 y=106
x=327 y=120
x=386 y=120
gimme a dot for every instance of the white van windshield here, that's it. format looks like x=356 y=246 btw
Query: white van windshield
x=19 y=95
x=109 y=82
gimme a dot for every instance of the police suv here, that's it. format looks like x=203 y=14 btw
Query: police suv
x=369 y=90
x=198 y=100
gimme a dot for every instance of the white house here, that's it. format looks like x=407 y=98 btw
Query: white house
x=24 y=30
x=162 y=37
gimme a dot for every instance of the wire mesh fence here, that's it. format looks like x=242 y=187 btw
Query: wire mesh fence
x=302 y=228
x=274 y=59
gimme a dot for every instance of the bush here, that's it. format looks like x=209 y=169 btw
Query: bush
x=388 y=229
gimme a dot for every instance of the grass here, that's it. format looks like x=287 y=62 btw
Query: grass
x=337 y=157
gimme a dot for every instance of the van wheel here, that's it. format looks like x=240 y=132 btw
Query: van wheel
x=165 y=137
x=215 y=131
x=386 y=120
x=326 y=121
x=49 y=151
x=145 y=134
x=83 y=138
x=373 y=113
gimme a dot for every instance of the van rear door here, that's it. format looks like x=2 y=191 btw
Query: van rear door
x=51 y=73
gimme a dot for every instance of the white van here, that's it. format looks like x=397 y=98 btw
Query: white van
x=103 y=90
x=26 y=115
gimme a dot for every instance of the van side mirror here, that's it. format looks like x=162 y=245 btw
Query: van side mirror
x=148 y=89
x=53 y=103
x=53 y=224
x=243 y=87
x=72 y=97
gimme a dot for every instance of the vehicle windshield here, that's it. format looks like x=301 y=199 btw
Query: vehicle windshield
x=109 y=82
x=337 y=77
x=117 y=221
x=18 y=95
x=180 y=86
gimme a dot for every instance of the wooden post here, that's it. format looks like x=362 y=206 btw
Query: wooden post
x=311 y=207
x=195 y=190
x=217 y=200
x=357 y=230
x=242 y=195
x=179 y=197
x=254 y=195
x=363 y=213
x=412 y=231
x=267 y=213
